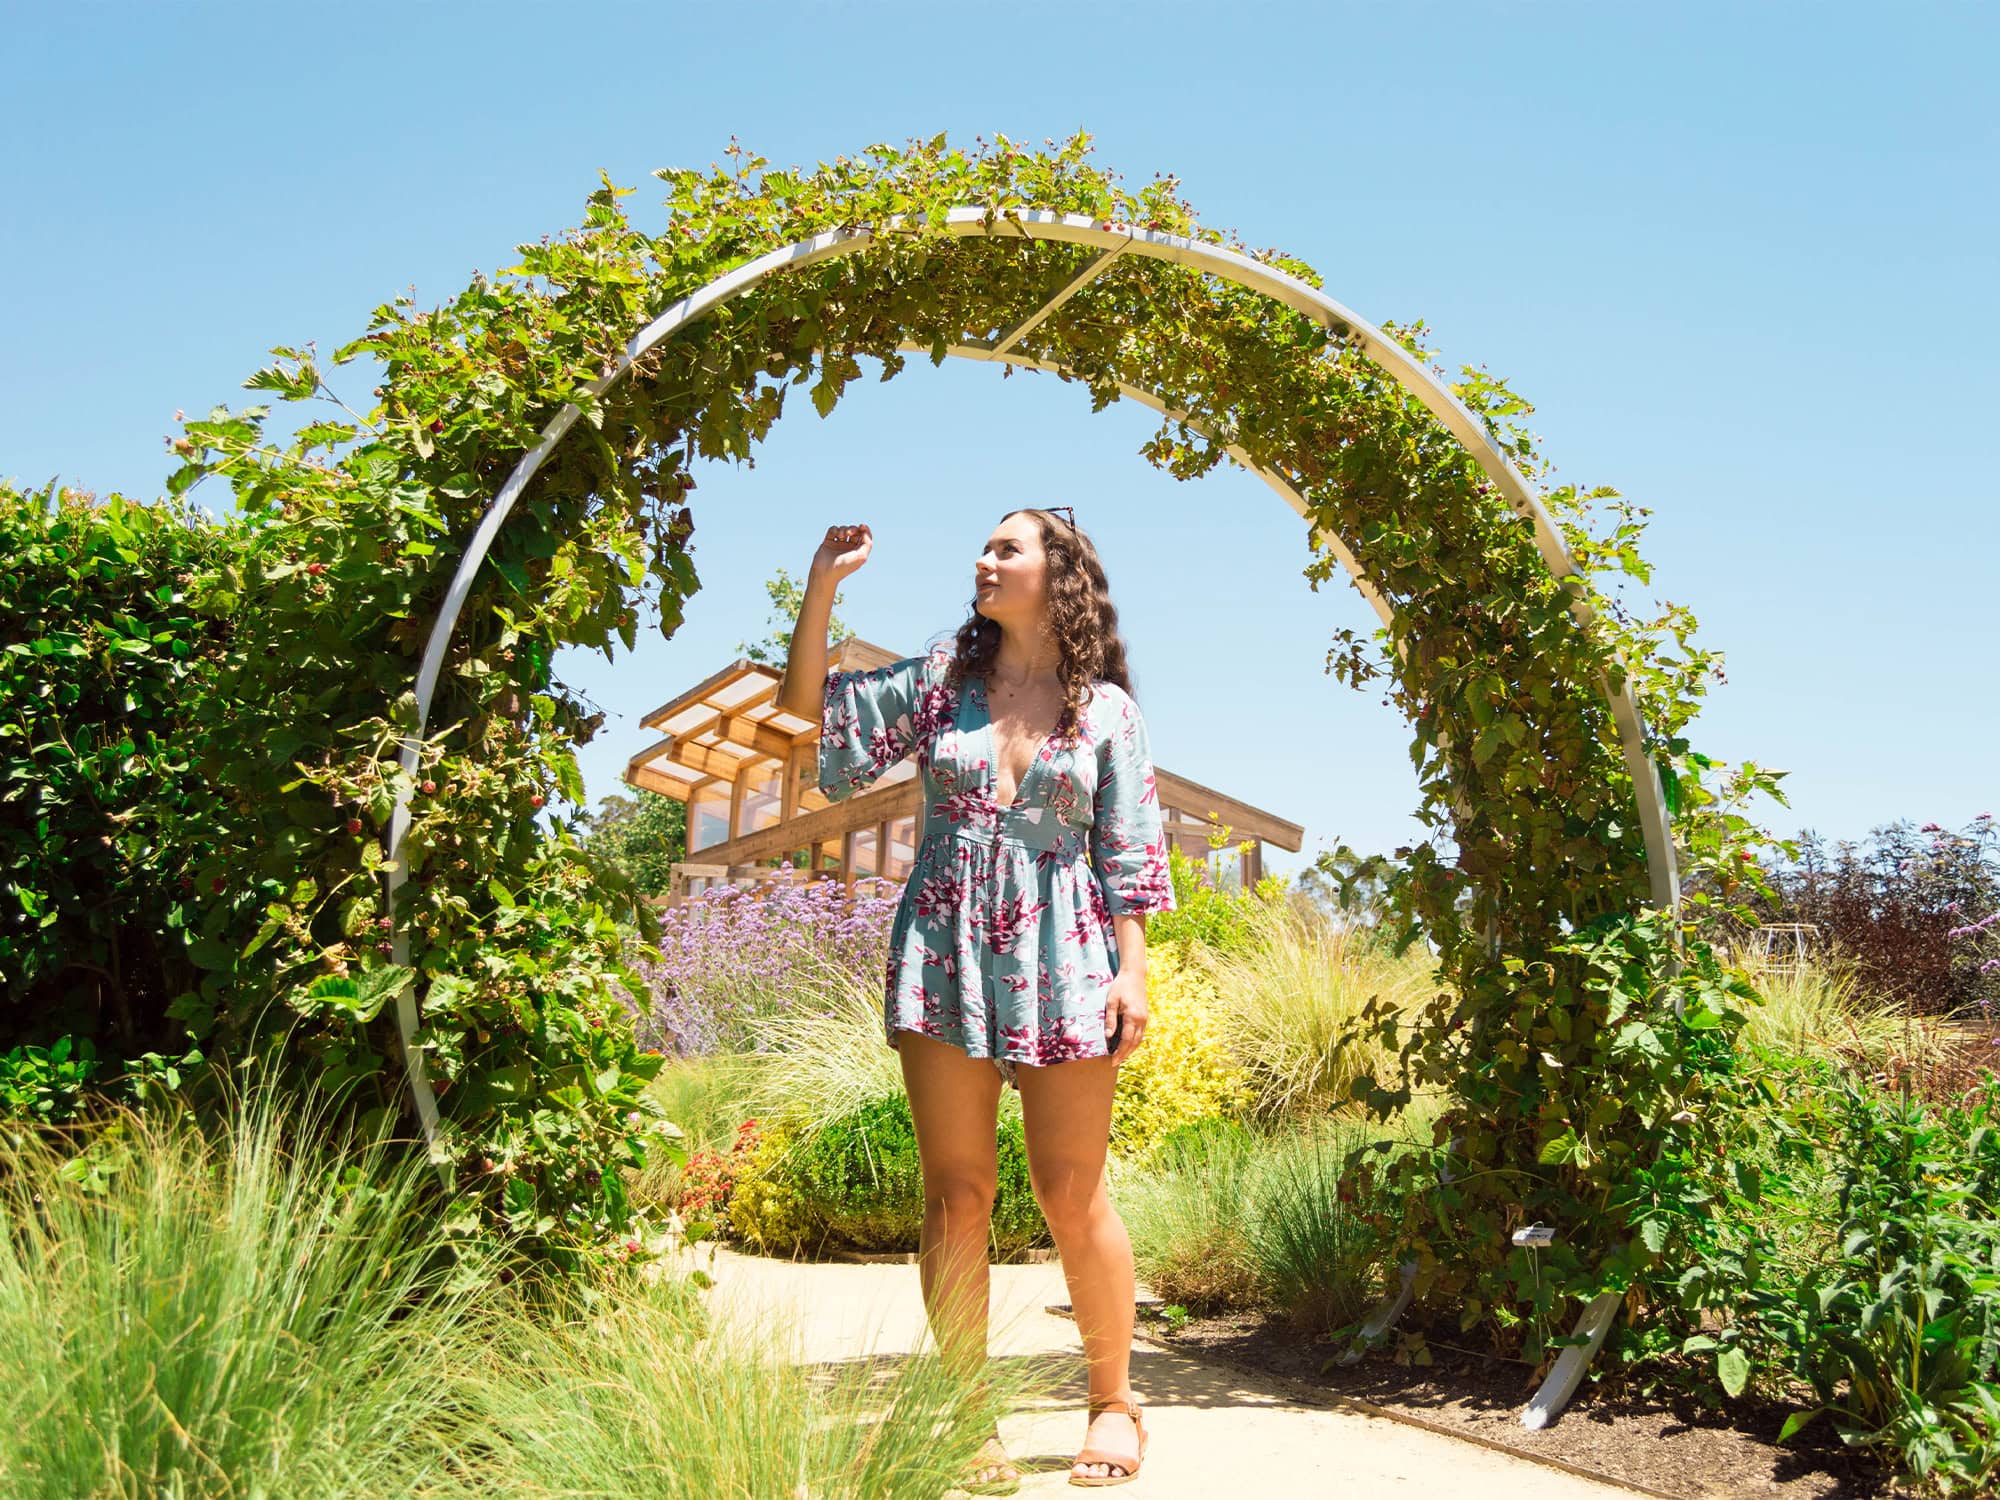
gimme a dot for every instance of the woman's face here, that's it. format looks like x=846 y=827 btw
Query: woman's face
x=1010 y=578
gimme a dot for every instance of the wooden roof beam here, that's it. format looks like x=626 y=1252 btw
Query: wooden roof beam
x=1244 y=820
x=864 y=810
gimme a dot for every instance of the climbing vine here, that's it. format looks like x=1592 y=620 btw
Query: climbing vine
x=1581 y=1040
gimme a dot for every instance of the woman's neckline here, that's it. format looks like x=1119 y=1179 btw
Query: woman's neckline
x=993 y=745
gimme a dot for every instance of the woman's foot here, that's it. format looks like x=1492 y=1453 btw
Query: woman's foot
x=1110 y=1433
x=993 y=1473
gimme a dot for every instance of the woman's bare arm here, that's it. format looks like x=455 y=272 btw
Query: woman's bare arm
x=803 y=688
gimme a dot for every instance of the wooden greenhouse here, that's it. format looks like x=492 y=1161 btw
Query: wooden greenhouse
x=749 y=774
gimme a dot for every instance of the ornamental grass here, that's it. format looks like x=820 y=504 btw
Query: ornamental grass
x=1820 y=1010
x=226 y=1313
x=1292 y=999
x=644 y=1399
x=194 y=1316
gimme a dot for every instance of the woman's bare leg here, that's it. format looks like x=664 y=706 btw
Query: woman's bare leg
x=1066 y=1114
x=955 y=1101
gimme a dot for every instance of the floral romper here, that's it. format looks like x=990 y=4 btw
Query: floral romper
x=1003 y=944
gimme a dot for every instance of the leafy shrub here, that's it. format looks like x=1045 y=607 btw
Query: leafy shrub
x=1897 y=1334
x=112 y=614
x=1204 y=913
x=644 y=835
x=863 y=1177
x=1897 y=910
x=709 y=1177
x=769 y=1207
x=1185 y=1070
x=45 y=1084
x=198 y=764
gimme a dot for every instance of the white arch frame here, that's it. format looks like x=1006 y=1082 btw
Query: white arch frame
x=1114 y=240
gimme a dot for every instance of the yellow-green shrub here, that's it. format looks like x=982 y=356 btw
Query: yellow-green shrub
x=1183 y=1070
x=767 y=1207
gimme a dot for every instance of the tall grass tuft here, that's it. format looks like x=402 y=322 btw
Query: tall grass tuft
x=1816 y=1010
x=1229 y=1216
x=219 y=1315
x=227 y=1315
x=641 y=1399
x=1185 y=1212
x=1317 y=1251
x=1292 y=998
x=814 y=1064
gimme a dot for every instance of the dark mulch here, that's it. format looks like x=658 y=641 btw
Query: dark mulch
x=1661 y=1443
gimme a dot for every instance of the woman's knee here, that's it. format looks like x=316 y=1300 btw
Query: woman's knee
x=1067 y=1196
x=960 y=1198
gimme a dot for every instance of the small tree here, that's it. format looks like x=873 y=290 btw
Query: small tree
x=787 y=597
x=643 y=835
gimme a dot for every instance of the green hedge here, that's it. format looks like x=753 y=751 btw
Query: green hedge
x=195 y=779
x=861 y=1175
x=109 y=620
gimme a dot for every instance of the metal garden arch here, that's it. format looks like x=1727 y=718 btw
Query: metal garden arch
x=1112 y=241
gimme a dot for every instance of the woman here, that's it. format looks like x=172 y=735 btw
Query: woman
x=1018 y=954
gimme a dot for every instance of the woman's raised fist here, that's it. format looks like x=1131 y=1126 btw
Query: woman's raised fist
x=845 y=549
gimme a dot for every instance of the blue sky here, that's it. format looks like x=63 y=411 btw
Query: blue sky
x=1741 y=257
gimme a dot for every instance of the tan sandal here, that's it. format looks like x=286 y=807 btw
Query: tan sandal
x=1131 y=1408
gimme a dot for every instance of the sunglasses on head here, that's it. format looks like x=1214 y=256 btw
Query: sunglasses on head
x=1052 y=509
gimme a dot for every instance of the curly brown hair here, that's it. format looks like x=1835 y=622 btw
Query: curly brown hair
x=1081 y=616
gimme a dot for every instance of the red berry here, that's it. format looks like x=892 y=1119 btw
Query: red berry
x=218 y=885
x=354 y=825
x=315 y=569
x=430 y=787
x=537 y=800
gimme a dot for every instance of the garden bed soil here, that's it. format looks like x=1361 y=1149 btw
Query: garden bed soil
x=1662 y=1444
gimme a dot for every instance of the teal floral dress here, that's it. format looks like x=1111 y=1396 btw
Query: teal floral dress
x=1003 y=944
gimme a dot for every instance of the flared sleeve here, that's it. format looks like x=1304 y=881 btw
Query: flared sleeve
x=1128 y=845
x=868 y=724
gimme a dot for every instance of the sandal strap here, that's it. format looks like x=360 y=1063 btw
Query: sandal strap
x=1128 y=1405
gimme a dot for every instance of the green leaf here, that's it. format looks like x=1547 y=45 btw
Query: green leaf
x=1795 y=1422
x=1732 y=1368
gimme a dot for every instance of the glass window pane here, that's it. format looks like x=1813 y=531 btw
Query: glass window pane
x=708 y=816
x=902 y=848
x=864 y=851
x=761 y=788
